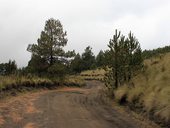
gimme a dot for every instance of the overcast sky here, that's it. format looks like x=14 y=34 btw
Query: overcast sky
x=87 y=22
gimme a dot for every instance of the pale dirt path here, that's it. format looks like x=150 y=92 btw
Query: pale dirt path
x=63 y=108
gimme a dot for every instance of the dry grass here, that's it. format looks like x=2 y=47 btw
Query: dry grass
x=20 y=83
x=12 y=80
x=77 y=80
x=97 y=74
x=16 y=81
x=152 y=88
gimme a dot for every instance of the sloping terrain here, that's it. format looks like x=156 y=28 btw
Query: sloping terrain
x=150 y=91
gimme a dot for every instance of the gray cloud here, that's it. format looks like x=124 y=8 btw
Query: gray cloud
x=88 y=22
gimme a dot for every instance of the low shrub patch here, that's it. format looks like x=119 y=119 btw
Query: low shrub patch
x=11 y=85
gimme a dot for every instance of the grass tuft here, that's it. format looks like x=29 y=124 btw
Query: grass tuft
x=151 y=89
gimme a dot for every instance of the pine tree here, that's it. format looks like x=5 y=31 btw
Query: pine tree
x=51 y=42
x=125 y=57
x=76 y=64
x=88 y=59
x=49 y=47
x=114 y=65
x=134 y=55
x=100 y=59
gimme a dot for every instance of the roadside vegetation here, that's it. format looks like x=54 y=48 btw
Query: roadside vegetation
x=11 y=85
x=149 y=92
x=49 y=65
x=136 y=78
x=97 y=74
x=124 y=60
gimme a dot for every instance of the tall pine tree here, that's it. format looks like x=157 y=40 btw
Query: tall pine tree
x=49 y=47
x=125 y=59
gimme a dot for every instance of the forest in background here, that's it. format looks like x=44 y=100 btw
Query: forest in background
x=124 y=64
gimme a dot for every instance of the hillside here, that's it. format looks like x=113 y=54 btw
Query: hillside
x=150 y=90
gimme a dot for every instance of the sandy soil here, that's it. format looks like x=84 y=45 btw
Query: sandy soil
x=63 y=108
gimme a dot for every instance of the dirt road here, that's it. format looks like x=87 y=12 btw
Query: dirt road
x=63 y=108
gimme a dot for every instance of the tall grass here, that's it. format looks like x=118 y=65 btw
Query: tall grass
x=6 y=81
x=151 y=91
x=97 y=74
x=12 y=84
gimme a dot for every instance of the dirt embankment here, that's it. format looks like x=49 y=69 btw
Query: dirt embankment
x=64 y=108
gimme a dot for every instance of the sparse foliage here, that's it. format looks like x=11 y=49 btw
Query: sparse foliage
x=124 y=59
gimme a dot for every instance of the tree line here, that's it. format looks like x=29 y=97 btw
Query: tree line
x=76 y=64
x=8 y=68
x=48 y=58
x=146 y=54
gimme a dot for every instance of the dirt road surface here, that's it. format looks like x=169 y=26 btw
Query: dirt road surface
x=63 y=108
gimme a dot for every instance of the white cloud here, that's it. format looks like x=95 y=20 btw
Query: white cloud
x=151 y=29
x=88 y=22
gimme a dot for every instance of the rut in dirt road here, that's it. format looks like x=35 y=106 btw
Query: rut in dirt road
x=64 y=108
